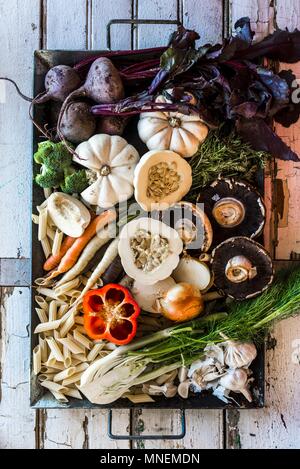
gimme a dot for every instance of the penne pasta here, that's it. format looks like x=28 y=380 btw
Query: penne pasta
x=57 y=240
x=44 y=349
x=73 y=294
x=68 y=286
x=79 y=320
x=72 y=345
x=45 y=377
x=59 y=396
x=73 y=393
x=81 y=339
x=81 y=357
x=37 y=359
x=72 y=379
x=42 y=231
x=51 y=234
x=67 y=324
x=67 y=357
x=41 y=302
x=43 y=282
x=53 y=364
x=64 y=374
x=46 y=247
x=55 y=349
x=42 y=315
x=95 y=351
x=51 y=294
x=81 y=367
x=76 y=361
x=52 y=310
x=73 y=300
x=63 y=308
x=47 y=326
x=81 y=329
x=53 y=386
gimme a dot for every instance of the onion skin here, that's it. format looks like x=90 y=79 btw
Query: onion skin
x=182 y=302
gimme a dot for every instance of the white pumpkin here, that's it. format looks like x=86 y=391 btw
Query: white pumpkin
x=111 y=161
x=149 y=250
x=172 y=131
x=161 y=178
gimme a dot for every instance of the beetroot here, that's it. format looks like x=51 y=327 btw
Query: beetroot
x=60 y=81
x=77 y=123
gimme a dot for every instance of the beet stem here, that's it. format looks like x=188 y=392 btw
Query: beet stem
x=26 y=98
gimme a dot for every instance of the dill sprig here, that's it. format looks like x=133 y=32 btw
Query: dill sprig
x=224 y=155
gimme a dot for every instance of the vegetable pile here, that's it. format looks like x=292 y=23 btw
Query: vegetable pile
x=155 y=279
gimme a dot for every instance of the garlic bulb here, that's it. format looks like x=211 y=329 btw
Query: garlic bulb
x=181 y=303
x=239 y=354
x=237 y=381
x=202 y=372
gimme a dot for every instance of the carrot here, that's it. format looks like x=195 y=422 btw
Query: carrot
x=54 y=260
x=72 y=254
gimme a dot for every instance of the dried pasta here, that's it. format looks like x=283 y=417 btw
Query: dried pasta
x=37 y=360
x=42 y=231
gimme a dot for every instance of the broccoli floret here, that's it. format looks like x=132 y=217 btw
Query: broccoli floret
x=44 y=149
x=49 y=179
x=75 y=182
x=56 y=161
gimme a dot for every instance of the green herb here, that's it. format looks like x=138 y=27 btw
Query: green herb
x=153 y=355
x=227 y=156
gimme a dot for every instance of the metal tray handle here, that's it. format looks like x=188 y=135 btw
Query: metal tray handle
x=179 y=436
x=134 y=22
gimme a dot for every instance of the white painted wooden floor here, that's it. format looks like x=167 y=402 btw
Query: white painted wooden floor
x=27 y=25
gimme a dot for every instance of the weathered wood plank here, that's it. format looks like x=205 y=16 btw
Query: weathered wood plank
x=66 y=24
x=155 y=35
x=17 y=421
x=15 y=129
x=203 y=429
x=208 y=25
x=14 y=272
x=101 y=14
x=288 y=174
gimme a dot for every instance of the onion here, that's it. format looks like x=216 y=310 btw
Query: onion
x=181 y=303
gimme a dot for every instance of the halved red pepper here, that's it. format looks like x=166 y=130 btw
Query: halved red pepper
x=110 y=313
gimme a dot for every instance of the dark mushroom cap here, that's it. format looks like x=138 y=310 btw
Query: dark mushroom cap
x=255 y=253
x=196 y=221
x=254 y=217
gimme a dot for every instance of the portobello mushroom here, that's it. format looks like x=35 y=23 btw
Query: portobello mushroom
x=234 y=208
x=241 y=267
x=192 y=225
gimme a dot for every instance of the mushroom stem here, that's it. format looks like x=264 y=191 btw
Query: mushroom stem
x=239 y=269
x=228 y=212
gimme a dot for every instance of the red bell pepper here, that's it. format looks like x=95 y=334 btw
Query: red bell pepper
x=110 y=313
